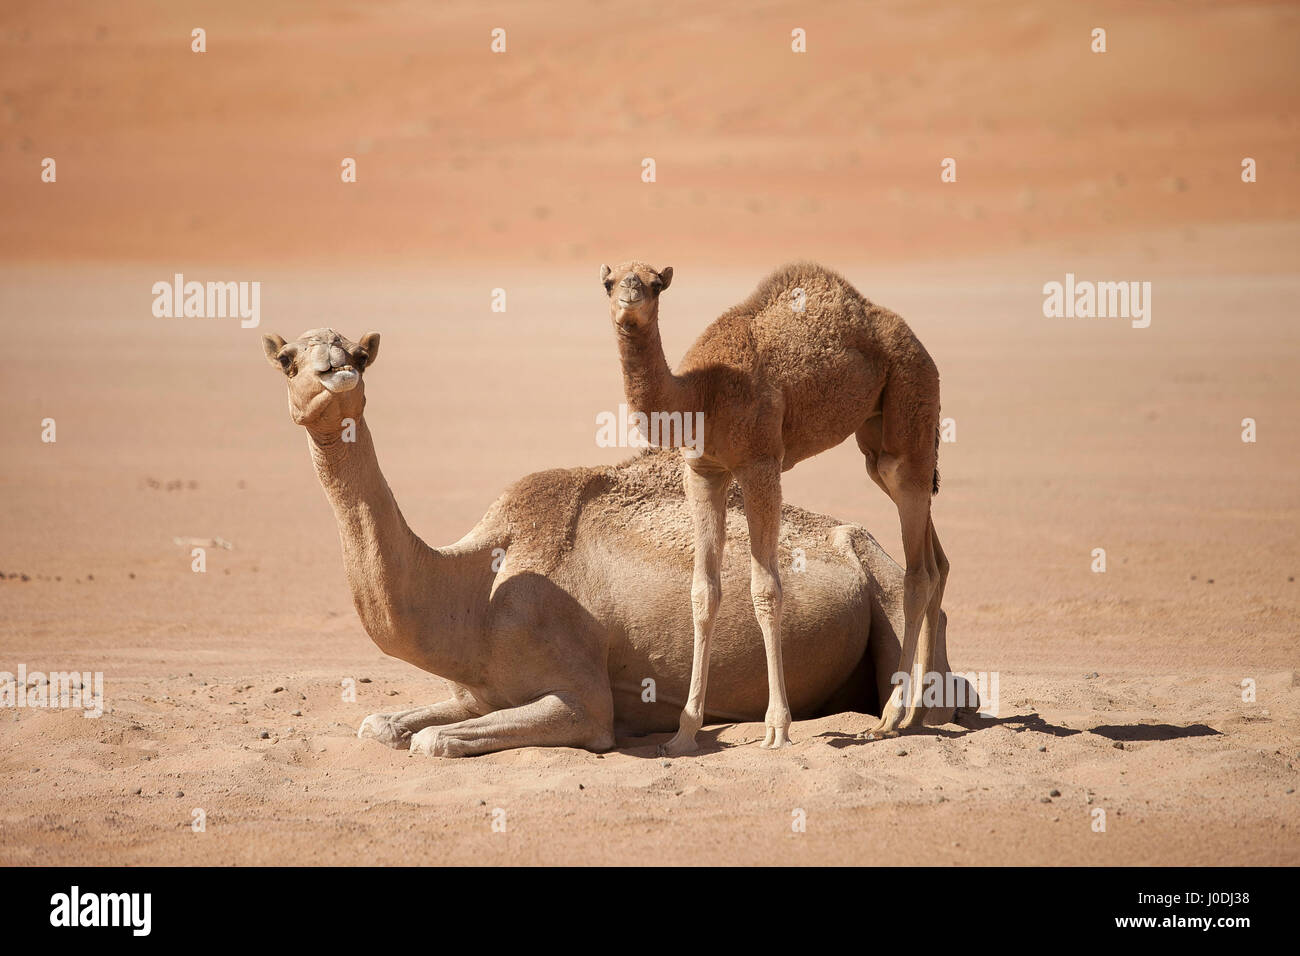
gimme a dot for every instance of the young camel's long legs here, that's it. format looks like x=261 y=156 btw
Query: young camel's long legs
x=760 y=484
x=920 y=593
x=706 y=496
x=908 y=478
x=927 y=648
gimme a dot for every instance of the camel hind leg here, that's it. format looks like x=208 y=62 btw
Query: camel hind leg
x=901 y=458
x=923 y=665
x=932 y=648
x=920 y=583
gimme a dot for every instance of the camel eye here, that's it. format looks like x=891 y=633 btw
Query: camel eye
x=609 y=286
x=286 y=363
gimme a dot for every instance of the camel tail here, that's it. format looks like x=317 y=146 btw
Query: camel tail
x=935 y=487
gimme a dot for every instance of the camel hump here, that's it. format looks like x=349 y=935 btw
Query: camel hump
x=871 y=560
x=543 y=508
x=803 y=289
x=796 y=304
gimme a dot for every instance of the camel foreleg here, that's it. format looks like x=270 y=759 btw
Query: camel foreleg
x=396 y=729
x=556 y=720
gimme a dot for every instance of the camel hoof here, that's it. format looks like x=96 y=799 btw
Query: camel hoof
x=433 y=742
x=679 y=746
x=776 y=738
x=886 y=728
x=429 y=743
x=912 y=719
x=383 y=727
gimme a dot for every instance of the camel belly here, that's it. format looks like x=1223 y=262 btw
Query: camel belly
x=824 y=636
x=821 y=410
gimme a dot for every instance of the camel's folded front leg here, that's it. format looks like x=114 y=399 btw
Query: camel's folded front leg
x=396 y=729
x=550 y=721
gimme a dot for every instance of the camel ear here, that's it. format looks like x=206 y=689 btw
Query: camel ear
x=665 y=277
x=604 y=276
x=370 y=349
x=272 y=344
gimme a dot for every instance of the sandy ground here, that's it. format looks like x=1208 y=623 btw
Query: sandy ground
x=1071 y=434
x=1070 y=437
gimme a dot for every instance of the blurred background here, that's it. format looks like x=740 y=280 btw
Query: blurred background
x=534 y=155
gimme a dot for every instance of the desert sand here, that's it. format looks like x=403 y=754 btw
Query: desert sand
x=522 y=171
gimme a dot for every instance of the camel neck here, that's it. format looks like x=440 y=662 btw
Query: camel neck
x=648 y=382
x=349 y=473
x=384 y=559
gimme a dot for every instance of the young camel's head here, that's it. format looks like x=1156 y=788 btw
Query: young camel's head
x=324 y=373
x=633 y=289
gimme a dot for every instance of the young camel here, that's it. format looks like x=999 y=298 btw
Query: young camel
x=548 y=618
x=793 y=370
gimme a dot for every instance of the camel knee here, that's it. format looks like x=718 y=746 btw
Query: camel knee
x=601 y=739
x=940 y=559
x=706 y=595
x=590 y=720
x=765 y=590
x=919 y=586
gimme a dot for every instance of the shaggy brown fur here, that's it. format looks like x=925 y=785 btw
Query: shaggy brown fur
x=801 y=364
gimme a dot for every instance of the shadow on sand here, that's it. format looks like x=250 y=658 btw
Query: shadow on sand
x=1036 y=724
x=709 y=743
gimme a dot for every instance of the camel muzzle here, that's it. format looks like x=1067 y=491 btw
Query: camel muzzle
x=330 y=362
x=340 y=380
x=630 y=291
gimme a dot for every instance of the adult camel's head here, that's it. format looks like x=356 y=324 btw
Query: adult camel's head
x=633 y=289
x=324 y=372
